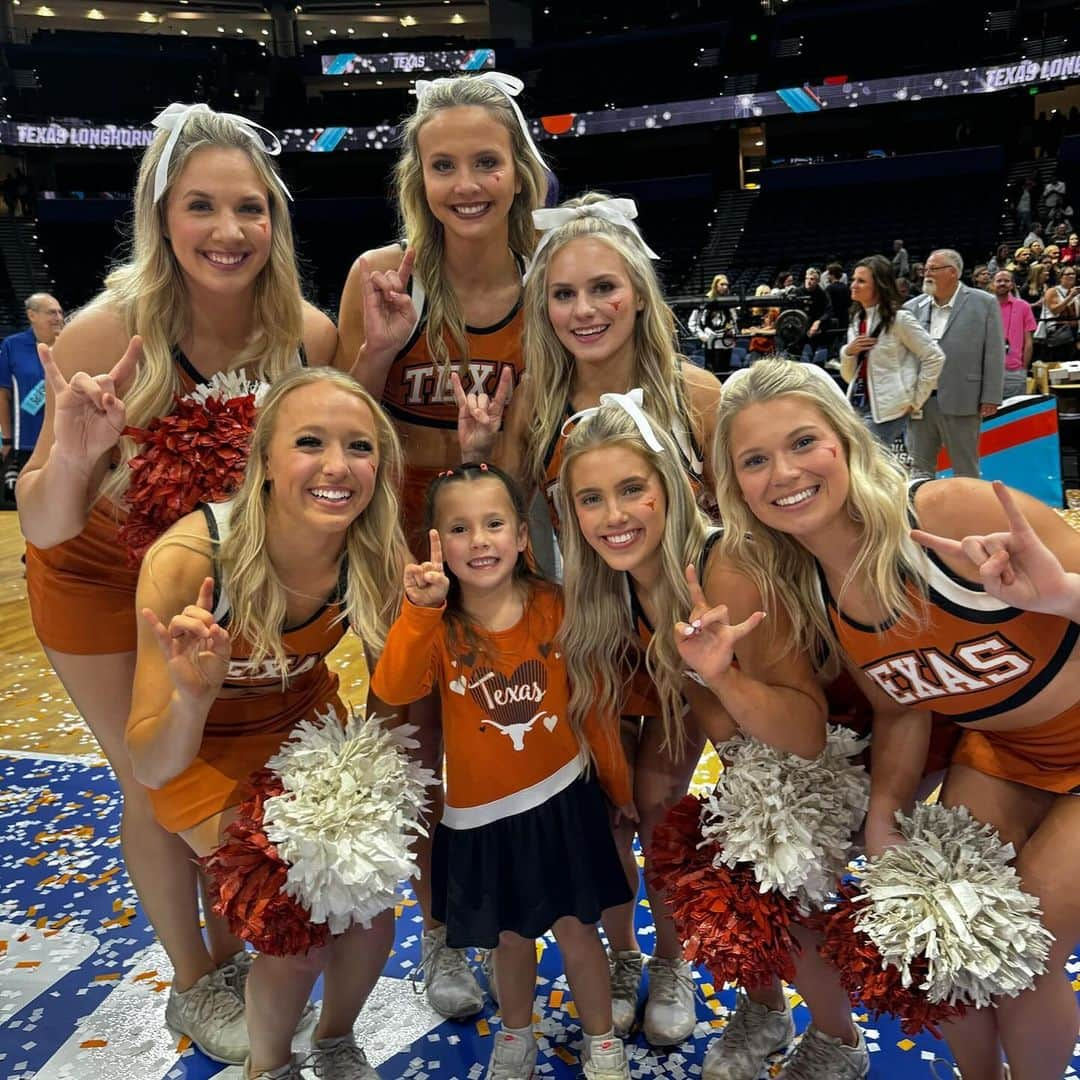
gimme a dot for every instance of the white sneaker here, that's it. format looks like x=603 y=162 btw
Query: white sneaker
x=823 y=1057
x=340 y=1059
x=670 y=1015
x=487 y=966
x=604 y=1058
x=625 y=969
x=512 y=1057
x=753 y=1034
x=452 y=989
x=211 y=1014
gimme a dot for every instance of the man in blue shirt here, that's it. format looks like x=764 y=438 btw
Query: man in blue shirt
x=22 y=385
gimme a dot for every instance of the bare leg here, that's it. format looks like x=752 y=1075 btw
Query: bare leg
x=585 y=963
x=515 y=976
x=158 y=863
x=819 y=985
x=354 y=962
x=277 y=991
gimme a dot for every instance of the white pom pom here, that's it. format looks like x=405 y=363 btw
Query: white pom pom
x=791 y=818
x=352 y=802
x=230 y=384
x=950 y=895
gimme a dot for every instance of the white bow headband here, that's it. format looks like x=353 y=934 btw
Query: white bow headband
x=173 y=118
x=509 y=85
x=618 y=211
x=631 y=404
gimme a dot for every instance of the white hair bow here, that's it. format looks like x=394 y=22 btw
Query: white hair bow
x=509 y=85
x=631 y=404
x=173 y=118
x=618 y=211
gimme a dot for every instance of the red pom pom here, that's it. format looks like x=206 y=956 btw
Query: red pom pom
x=247 y=882
x=872 y=983
x=197 y=453
x=739 y=933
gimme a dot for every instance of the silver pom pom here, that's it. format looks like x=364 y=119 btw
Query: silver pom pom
x=226 y=385
x=352 y=803
x=951 y=895
x=792 y=818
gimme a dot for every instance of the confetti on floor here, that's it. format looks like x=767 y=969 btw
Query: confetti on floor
x=83 y=981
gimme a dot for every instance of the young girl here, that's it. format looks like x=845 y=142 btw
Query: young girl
x=467 y=181
x=211 y=287
x=635 y=546
x=524 y=845
x=242 y=600
x=982 y=628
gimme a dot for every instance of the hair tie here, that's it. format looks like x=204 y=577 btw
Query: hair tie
x=618 y=211
x=173 y=118
x=509 y=85
x=631 y=404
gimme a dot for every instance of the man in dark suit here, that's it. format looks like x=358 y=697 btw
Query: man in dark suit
x=966 y=323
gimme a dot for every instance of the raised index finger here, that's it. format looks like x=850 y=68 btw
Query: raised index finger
x=125 y=366
x=697 y=594
x=1017 y=522
x=53 y=376
x=459 y=390
x=206 y=594
x=941 y=544
x=436 y=547
x=506 y=384
x=406 y=266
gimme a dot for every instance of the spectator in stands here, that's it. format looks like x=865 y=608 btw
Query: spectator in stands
x=903 y=287
x=918 y=274
x=763 y=331
x=966 y=323
x=1053 y=194
x=839 y=294
x=901 y=263
x=1046 y=261
x=815 y=346
x=1020 y=266
x=1025 y=205
x=980 y=277
x=889 y=362
x=22 y=385
x=1019 y=325
x=1032 y=293
x=1070 y=253
x=1034 y=236
x=1000 y=259
x=1061 y=312
x=712 y=323
x=835 y=260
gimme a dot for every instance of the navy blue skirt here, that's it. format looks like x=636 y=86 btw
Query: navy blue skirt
x=525 y=872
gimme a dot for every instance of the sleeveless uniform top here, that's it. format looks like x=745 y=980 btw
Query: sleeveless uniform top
x=689 y=454
x=82 y=592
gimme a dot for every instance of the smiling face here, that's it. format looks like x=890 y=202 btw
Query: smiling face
x=217 y=220
x=323 y=458
x=790 y=465
x=621 y=508
x=591 y=301
x=863 y=290
x=480 y=532
x=469 y=175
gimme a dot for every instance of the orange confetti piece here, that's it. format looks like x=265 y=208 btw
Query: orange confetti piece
x=144 y=975
x=58 y=923
x=555 y=998
x=183 y=1044
x=564 y=1055
x=107 y=978
x=93 y=1044
x=28 y=964
x=571 y=1009
x=482 y=1028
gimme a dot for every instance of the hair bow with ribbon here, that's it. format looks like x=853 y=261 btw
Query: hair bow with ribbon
x=509 y=85
x=619 y=212
x=631 y=404
x=173 y=118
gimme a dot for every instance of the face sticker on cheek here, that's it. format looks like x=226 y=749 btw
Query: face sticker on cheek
x=616 y=304
x=263 y=227
x=650 y=502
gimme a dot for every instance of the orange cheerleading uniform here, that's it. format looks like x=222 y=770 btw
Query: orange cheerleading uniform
x=255 y=714
x=82 y=592
x=973 y=658
x=418 y=393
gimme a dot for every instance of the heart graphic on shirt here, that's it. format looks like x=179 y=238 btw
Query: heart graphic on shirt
x=544 y=648
x=467 y=659
x=550 y=722
x=514 y=704
x=458 y=686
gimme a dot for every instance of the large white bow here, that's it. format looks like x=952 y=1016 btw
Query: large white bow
x=618 y=211
x=509 y=85
x=173 y=118
x=631 y=404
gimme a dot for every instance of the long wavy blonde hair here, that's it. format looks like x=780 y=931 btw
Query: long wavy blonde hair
x=374 y=545
x=599 y=639
x=150 y=293
x=550 y=365
x=783 y=571
x=422 y=230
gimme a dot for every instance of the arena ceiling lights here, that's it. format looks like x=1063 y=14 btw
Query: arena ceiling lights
x=322 y=21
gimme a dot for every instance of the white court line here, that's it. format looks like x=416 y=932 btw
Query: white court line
x=33 y=755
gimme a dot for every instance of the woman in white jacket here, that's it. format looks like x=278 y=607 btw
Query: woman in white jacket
x=890 y=363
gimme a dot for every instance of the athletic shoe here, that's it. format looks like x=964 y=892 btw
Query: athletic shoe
x=669 y=1013
x=625 y=969
x=340 y=1059
x=512 y=1057
x=754 y=1033
x=487 y=967
x=291 y=1071
x=452 y=989
x=821 y=1057
x=604 y=1058
x=211 y=1014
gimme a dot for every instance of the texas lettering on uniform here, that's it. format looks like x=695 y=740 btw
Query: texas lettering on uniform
x=923 y=674
x=429 y=383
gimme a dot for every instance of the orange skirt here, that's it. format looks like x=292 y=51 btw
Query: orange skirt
x=1046 y=756
x=82 y=592
x=219 y=777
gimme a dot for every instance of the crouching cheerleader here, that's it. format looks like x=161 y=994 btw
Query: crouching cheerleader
x=241 y=602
